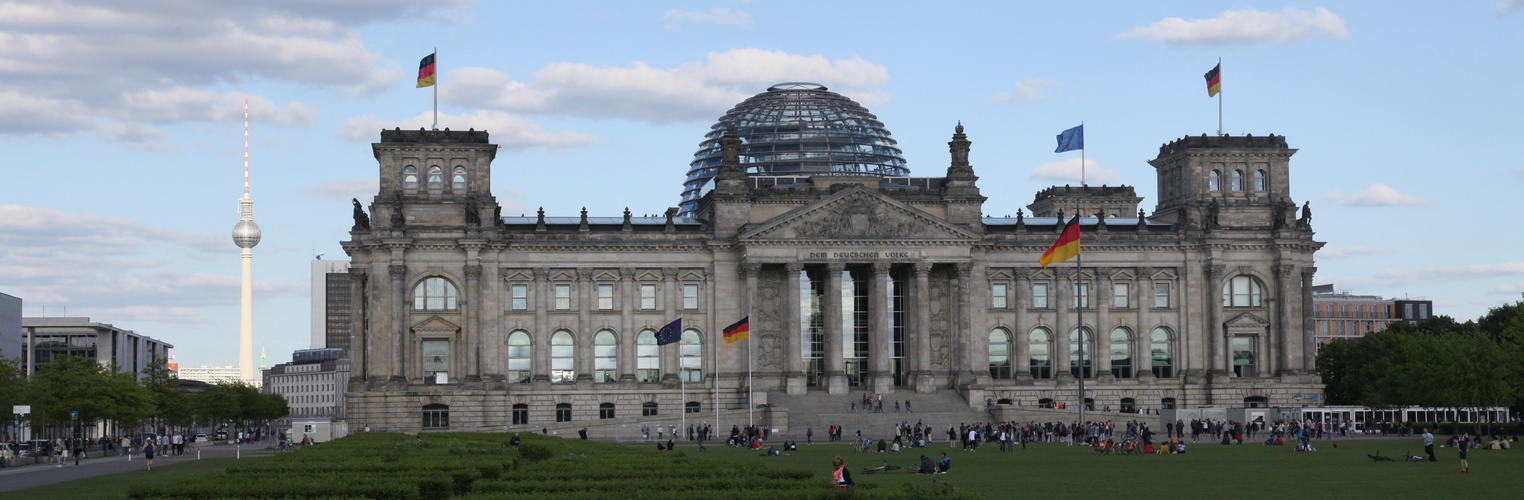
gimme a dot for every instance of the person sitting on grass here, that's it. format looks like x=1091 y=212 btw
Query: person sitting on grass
x=772 y=451
x=926 y=466
x=944 y=464
x=881 y=447
x=840 y=477
x=670 y=444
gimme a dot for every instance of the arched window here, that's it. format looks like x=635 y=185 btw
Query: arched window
x=647 y=357
x=1214 y=181
x=1076 y=367
x=605 y=357
x=1163 y=357
x=436 y=177
x=563 y=412
x=1121 y=353
x=436 y=416
x=520 y=414
x=1000 y=359
x=1039 y=344
x=519 y=357
x=1259 y=180
x=1238 y=180
x=692 y=357
x=648 y=409
x=1241 y=291
x=1128 y=405
x=562 y=358
x=410 y=177
x=458 y=179
x=434 y=294
x=605 y=411
x=691 y=407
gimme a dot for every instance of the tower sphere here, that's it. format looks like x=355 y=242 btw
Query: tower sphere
x=797 y=128
x=246 y=234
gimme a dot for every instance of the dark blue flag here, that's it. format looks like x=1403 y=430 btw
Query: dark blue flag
x=1071 y=139
x=671 y=333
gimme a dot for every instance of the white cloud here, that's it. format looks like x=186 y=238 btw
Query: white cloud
x=1519 y=170
x=1069 y=170
x=1350 y=251
x=1027 y=91
x=695 y=91
x=1393 y=277
x=82 y=65
x=716 y=15
x=346 y=189
x=1510 y=6
x=508 y=131
x=1508 y=288
x=1245 y=26
x=1378 y=195
x=99 y=265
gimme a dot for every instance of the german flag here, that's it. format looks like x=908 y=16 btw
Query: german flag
x=738 y=331
x=426 y=71
x=1068 y=245
x=1214 y=81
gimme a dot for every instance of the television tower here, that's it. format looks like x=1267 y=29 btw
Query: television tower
x=246 y=234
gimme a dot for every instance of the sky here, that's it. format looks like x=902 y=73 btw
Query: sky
x=121 y=125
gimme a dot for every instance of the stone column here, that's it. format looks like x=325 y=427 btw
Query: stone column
x=749 y=272
x=583 y=338
x=1143 y=289
x=1021 y=345
x=1281 y=320
x=1101 y=290
x=541 y=300
x=921 y=333
x=880 y=366
x=468 y=354
x=670 y=369
x=359 y=335
x=836 y=377
x=629 y=300
x=1215 y=336
x=1309 y=342
x=793 y=334
x=973 y=351
x=397 y=355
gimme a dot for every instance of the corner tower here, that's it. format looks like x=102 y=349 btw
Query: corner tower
x=1211 y=182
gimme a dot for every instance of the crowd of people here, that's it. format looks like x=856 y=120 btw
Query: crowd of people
x=874 y=403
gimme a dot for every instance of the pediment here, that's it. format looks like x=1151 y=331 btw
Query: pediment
x=858 y=213
x=1247 y=321
x=435 y=326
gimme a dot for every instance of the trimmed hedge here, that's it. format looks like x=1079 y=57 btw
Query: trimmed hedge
x=482 y=466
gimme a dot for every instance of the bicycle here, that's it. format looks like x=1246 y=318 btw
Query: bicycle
x=886 y=468
x=863 y=445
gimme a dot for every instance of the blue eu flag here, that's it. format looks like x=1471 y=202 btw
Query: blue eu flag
x=671 y=333
x=1071 y=139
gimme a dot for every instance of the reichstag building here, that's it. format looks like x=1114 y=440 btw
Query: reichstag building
x=799 y=212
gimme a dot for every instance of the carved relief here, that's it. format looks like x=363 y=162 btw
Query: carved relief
x=859 y=218
x=473 y=272
x=939 y=316
x=769 y=350
x=398 y=271
x=769 y=299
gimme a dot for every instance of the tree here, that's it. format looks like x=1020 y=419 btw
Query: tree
x=170 y=405
x=96 y=391
x=12 y=388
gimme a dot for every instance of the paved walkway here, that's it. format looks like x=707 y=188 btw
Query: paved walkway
x=31 y=476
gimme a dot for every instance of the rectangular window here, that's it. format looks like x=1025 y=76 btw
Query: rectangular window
x=647 y=296
x=520 y=294
x=998 y=296
x=690 y=296
x=1161 y=295
x=1323 y=328
x=1407 y=311
x=1338 y=328
x=520 y=415
x=1244 y=357
x=436 y=361
x=1120 y=295
x=563 y=297
x=1423 y=311
x=1082 y=295
x=1039 y=295
x=605 y=297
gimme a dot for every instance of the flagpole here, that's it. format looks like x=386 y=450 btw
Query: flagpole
x=1079 y=313
x=1082 y=158
x=1219 y=96
x=436 y=89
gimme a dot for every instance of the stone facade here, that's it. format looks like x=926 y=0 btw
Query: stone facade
x=851 y=285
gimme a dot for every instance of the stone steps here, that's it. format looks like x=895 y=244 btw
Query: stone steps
x=820 y=411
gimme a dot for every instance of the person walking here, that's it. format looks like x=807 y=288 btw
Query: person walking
x=148 y=449
x=1463 y=446
x=907 y=407
x=809 y=436
x=1428 y=444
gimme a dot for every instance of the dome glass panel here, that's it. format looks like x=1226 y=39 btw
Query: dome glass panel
x=798 y=129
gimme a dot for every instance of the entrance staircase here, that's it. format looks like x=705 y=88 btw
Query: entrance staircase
x=819 y=411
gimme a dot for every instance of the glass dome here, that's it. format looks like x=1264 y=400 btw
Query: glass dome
x=797 y=129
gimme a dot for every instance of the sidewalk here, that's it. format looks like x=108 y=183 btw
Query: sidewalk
x=31 y=476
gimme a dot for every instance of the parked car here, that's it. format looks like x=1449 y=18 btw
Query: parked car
x=200 y=437
x=222 y=435
x=23 y=450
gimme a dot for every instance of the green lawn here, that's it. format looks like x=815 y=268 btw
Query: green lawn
x=115 y=485
x=1234 y=471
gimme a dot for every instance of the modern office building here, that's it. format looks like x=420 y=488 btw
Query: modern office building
x=211 y=374
x=47 y=338
x=330 y=304
x=855 y=278
x=10 y=327
x=313 y=383
x=1341 y=314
